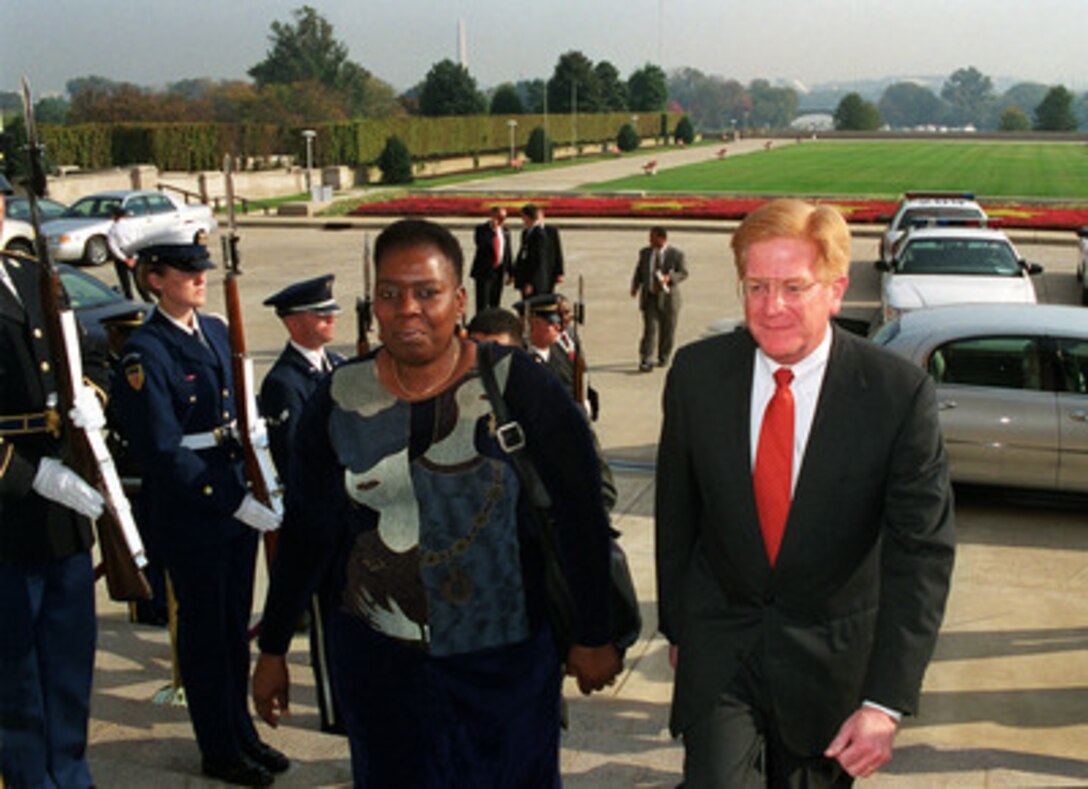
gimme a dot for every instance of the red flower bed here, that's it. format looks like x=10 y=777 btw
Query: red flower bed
x=1042 y=217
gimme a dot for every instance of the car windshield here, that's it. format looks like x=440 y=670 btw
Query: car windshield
x=958 y=256
x=93 y=208
x=921 y=215
x=85 y=292
x=19 y=208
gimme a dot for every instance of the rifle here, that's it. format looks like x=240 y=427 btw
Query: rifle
x=260 y=472
x=579 y=319
x=364 y=312
x=122 y=550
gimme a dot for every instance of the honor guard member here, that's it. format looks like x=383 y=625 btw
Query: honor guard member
x=176 y=401
x=48 y=632
x=308 y=311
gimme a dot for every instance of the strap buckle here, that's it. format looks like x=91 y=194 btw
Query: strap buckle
x=511 y=437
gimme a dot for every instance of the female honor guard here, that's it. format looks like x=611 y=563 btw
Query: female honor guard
x=176 y=402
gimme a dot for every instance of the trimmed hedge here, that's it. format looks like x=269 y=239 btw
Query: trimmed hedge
x=201 y=146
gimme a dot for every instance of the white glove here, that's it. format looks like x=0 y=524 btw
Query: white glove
x=86 y=410
x=257 y=516
x=56 y=482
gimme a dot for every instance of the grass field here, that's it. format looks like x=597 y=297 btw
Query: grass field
x=882 y=170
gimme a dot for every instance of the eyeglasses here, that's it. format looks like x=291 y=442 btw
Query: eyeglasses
x=790 y=291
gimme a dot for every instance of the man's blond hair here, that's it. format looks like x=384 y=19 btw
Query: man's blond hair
x=791 y=218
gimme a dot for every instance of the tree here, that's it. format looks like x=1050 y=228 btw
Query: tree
x=1024 y=96
x=1013 y=119
x=395 y=162
x=1055 y=111
x=532 y=94
x=51 y=109
x=685 y=132
x=627 y=138
x=907 y=104
x=308 y=52
x=856 y=114
x=647 y=89
x=506 y=100
x=613 y=91
x=970 y=95
x=448 y=89
x=772 y=107
x=574 y=79
x=539 y=146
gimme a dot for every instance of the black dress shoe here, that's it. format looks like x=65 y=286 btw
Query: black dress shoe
x=267 y=757
x=240 y=772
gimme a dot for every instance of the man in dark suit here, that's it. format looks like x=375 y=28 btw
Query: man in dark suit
x=46 y=578
x=308 y=311
x=804 y=527
x=659 y=270
x=540 y=259
x=492 y=264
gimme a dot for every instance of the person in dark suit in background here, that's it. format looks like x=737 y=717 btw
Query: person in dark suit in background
x=804 y=525
x=492 y=263
x=539 y=265
x=176 y=402
x=48 y=635
x=659 y=270
x=308 y=311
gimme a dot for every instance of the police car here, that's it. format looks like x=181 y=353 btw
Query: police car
x=916 y=206
x=941 y=264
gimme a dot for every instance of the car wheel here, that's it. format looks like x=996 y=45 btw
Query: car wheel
x=20 y=246
x=96 y=252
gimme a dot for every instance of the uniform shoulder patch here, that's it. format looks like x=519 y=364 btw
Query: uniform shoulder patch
x=134 y=374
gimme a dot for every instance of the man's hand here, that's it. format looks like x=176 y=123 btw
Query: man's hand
x=864 y=742
x=271 y=688
x=594 y=667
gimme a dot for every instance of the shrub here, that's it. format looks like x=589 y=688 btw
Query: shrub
x=539 y=147
x=628 y=139
x=395 y=162
x=685 y=132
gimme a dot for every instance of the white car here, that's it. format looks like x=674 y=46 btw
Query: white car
x=17 y=236
x=152 y=218
x=924 y=206
x=934 y=266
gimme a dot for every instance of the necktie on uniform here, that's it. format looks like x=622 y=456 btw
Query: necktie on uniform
x=496 y=243
x=774 y=464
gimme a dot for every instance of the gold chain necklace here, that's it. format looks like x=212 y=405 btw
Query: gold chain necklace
x=433 y=387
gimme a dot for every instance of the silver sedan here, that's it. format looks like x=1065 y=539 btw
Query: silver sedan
x=1012 y=388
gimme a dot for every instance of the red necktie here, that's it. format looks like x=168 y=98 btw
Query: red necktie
x=497 y=243
x=774 y=464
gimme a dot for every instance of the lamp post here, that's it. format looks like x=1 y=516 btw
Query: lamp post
x=511 y=125
x=308 y=135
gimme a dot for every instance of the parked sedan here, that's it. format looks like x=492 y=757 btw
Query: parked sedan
x=919 y=206
x=1012 y=389
x=152 y=218
x=933 y=266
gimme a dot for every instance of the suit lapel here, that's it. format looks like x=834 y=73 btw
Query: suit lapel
x=836 y=413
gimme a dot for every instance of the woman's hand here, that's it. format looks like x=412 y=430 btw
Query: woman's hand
x=271 y=688
x=594 y=667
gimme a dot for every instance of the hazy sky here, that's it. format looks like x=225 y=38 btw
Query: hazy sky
x=153 y=42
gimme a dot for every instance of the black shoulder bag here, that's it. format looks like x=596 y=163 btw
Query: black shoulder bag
x=626 y=617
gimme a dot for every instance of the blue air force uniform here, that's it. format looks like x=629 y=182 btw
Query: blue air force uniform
x=176 y=400
x=284 y=391
x=48 y=632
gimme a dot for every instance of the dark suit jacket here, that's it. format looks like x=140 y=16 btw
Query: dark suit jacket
x=540 y=259
x=483 y=264
x=284 y=390
x=32 y=529
x=672 y=262
x=851 y=610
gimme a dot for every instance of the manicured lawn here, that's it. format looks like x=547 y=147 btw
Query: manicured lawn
x=882 y=170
